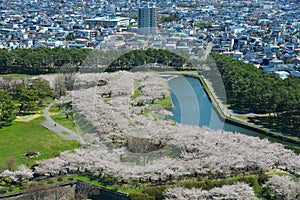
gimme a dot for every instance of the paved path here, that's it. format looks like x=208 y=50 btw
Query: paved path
x=62 y=131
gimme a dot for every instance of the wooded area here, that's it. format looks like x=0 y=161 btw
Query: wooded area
x=44 y=60
x=249 y=89
x=20 y=97
x=177 y=59
x=40 y=60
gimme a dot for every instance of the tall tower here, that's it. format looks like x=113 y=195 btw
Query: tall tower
x=147 y=22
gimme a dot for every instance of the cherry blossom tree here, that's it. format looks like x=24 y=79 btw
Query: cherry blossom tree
x=237 y=191
x=22 y=173
x=131 y=141
x=284 y=187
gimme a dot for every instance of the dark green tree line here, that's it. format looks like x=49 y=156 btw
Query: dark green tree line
x=40 y=60
x=249 y=89
x=142 y=57
x=45 y=60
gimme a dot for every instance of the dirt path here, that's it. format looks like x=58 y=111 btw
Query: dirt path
x=27 y=118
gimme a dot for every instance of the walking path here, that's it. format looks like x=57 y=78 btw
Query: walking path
x=227 y=112
x=62 y=131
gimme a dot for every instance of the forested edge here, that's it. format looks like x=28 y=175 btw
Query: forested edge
x=40 y=60
x=249 y=89
x=177 y=59
x=44 y=60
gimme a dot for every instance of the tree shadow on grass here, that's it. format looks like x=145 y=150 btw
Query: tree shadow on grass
x=273 y=125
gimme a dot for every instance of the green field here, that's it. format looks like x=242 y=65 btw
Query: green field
x=162 y=103
x=59 y=117
x=22 y=137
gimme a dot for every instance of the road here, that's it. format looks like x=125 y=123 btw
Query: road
x=62 y=131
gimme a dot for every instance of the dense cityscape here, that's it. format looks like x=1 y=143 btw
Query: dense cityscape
x=262 y=33
x=131 y=99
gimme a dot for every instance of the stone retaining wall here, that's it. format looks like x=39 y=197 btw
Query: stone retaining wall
x=67 y=191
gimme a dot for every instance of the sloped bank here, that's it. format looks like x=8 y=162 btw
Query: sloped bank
x=273 y=136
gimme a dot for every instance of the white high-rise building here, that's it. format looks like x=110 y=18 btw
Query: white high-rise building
x=147 y=19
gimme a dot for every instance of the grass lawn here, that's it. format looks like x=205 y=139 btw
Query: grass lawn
x=22 y=137
x=280 y=126
x=21 y=75
x=137 y=89
x=162 y=103
x=15 y=75
x=59 y=117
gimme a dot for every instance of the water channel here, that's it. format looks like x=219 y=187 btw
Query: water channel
x=192 y=106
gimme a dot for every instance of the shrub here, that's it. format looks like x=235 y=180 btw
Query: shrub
x=59 y=179
x=156 y=192
x=3 y=190
x=11 y=188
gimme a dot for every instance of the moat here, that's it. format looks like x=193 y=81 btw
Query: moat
x=192 y=106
